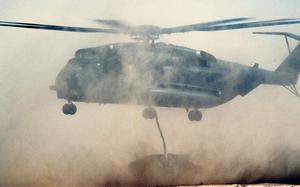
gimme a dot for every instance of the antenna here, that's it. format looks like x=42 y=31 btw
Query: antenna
x=285 y=34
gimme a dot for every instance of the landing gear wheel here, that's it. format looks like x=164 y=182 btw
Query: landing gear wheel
x=69 y=109
x=191 y=115
x=195 y=115
x=149 y=113
x=198 y=115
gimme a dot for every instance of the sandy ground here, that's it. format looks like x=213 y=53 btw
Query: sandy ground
x=256 y=134
x=250 y=185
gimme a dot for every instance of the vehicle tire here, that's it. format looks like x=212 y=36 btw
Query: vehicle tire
x=191 y=115
x=69 y=109
x=197 y=115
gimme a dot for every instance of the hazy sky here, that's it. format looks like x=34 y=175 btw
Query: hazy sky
x=36 y=139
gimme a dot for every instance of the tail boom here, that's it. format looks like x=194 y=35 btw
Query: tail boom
x=288 y=71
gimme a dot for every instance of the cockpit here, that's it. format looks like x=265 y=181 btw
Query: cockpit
x=205 y=59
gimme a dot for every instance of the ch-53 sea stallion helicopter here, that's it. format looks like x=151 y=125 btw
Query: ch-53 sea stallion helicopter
x=158 y=74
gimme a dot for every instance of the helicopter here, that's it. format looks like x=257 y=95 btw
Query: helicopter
x=150 y=73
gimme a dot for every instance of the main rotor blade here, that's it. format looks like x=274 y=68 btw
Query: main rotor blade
x=127 y=28
x=250 y=25
x=113 y=23
x=55 y=27
x=218 y=22
x=192 y=27
x=220 y=26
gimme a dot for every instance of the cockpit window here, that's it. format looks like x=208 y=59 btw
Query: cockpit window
x=205 y=59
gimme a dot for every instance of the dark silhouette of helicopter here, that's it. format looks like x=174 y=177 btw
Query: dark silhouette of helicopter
x=159 y=74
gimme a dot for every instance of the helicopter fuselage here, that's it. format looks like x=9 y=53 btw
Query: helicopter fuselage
x=158 y=75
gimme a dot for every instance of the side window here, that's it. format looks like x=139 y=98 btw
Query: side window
x=204 y=62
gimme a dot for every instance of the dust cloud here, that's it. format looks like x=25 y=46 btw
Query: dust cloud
x=250 y=139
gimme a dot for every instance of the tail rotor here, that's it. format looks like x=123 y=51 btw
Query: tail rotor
x=291 y=64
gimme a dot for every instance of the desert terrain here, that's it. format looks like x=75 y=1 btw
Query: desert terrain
x=251 y=139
